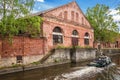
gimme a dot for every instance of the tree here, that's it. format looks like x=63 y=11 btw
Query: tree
x=105 y=29
x=14 y=18
x=118 y=8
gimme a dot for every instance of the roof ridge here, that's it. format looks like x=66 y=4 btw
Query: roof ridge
x=44 y=11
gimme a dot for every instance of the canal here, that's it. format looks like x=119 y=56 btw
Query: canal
x=52 y=73
x=47 y=73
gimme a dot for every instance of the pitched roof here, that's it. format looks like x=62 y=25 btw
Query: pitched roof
x=45 y=11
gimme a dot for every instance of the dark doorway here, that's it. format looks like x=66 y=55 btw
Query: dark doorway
x=74 y=38
x=74 y=41
x=116 y=44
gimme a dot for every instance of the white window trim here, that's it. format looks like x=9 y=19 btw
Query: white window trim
x=75 y=36
x=86 y=37
x=56 y=33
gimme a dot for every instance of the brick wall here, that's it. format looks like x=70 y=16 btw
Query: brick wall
x=67 y=29
x=23 y=46
x=68 y=17
x=69 y=12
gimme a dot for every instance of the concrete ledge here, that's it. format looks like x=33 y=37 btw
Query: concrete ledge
x=28 y=67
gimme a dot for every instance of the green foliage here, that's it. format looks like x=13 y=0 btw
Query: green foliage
x=70 y=47
x=30 y=25
x=88 y=47
x=56 y=60
x=118 y=8
x=14 y=19
x=60 y=47
x=36 y=63
x=16 y=65
x=17 y=8
x=105 y=29
x=77 y=47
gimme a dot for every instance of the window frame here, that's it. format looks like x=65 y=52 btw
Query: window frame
x=75 y=39
x=86 y=38
x=57 y=36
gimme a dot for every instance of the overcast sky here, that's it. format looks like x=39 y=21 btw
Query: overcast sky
x=41 y=5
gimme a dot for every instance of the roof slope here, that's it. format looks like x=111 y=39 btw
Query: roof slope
x=69 y=12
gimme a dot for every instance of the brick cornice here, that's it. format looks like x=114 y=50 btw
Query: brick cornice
x=65 y=22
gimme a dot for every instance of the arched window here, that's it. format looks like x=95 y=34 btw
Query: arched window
x=57 y=35
x=75 y=33
x=86 y=38
x=74 y=38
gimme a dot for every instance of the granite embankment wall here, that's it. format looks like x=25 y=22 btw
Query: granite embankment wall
x=71 y=55
x=61 y=56
x=55 y=57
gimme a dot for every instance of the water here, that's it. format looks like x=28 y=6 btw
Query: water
x=48 y=73
x=56 y=72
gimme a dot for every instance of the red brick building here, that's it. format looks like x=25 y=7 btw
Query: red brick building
x=65 y=25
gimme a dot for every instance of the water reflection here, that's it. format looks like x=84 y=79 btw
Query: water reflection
x=44 y=73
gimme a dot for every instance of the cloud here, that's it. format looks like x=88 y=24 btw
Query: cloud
x=113 y=12
x=116 y=16
x=40 y=0
x=41 y=7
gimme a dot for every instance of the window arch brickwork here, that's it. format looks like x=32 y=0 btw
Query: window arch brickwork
x=74 y=38
x=57 y=36
x=86 y=38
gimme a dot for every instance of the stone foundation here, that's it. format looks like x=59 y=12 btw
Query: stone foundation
x=55 y=56
x=78 y=55
x=31 y=59
x=59 y=55
x=11 y=61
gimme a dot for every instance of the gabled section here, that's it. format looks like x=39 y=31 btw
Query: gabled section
x=70 y=13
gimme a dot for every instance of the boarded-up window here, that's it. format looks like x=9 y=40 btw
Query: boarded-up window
x=75 y=38
x=77 y=17
x=60 y=15
x=82 y=20
x=65 y=14
x=72 y=15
